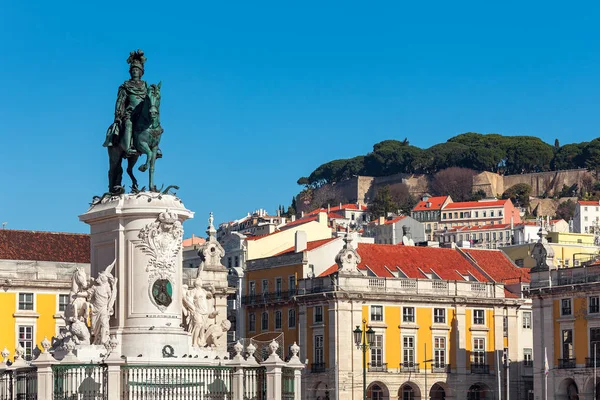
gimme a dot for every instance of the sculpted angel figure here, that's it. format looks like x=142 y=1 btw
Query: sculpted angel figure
x=102 y=296
x=199 y=309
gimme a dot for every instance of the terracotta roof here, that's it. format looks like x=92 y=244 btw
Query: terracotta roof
x=510 y=295
x=349 y=206
x=589 y=203
x=333 y=215
x=498 y=266
x=329 y=270
x=192 y=241
x=309 y=246
x=44 y=246
x=299 y=222
x=475 y=204
x=414 y=261
x=436 y=203
x=257 y=237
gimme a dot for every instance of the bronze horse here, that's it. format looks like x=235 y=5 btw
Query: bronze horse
x=146 y=138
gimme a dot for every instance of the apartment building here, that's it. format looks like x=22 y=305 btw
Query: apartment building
x=483 y=212
x=587 y=216
x=566 y=322
x=36 y=269
x=393 y=229
x=258 y=222
x=428 y=211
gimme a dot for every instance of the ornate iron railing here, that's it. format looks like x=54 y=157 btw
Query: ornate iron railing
x=317 y=367
x=589 y=362
x=409 y=366
x=26 y=384
x=480 y=368
x=175 y=382
x=287 y=383
x=566 y=363
x=6 y=385
x=377 y=367
x=255 y=383
x=83 y=381
x=440 y=368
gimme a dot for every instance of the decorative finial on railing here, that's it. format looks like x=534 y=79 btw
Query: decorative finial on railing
x=251 y=349
x=19 y=352
x=238 y=349
x=295 y=349
x=69 y=346
x=46 y=345
x=273 y=346
x=5 y=354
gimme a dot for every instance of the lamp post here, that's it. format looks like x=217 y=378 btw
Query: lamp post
x=425 y=365
x=362 y=339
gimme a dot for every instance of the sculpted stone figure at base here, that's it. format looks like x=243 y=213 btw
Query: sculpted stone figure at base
x=199 y=309
x=215 y=331
x=77 y=312
x=102 y=297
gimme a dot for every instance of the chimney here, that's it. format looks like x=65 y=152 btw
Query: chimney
x=341 y=206
x=322 y=218
x=406 y=231
x=302 y=214
x=293 y=217
x=381 y=220
x=328 y=208
x=301 y=241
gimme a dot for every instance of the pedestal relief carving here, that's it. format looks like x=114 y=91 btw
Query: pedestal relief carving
x=161 y=240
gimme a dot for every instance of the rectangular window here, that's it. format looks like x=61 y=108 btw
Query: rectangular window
x=63 y=302
x=594 y=306
x=478 y=317
x=25 y=301
x=264 y=321
x=26 y=340
x=443 y=215
x=484 y=213
x=408 y=314
x=251 y=322
x=278 y=322
x=318 y=314
x=291 y=318
x=491 y=213
x=408 y=351
x=527 y=320
x=476 y=214
x=251 y=288
x=439 y=352
x=565 y=307
x=265 y=286
x=292 y=284
x=377 y=351
x=229 y=265
x=500 y=213
x=478 y=351
x=567 y=344
x=493 y=235
x=237 y=261
x=439 y=315
x=595 y=344
x=528 y=357
x=278 y=286
x=319 y=350
x=377 y=313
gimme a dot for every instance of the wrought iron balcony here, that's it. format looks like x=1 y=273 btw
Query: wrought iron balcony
x=317 y=367
x=266 y=298
x=589 y=362
x=377 y=367
x=409 y=366
x=480 y=368
x=440 y=368
x=567 y=363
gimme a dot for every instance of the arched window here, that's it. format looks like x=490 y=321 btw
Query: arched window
x=375 y=392
x=407 y=392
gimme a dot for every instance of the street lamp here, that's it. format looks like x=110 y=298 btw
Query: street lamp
x=363 y=338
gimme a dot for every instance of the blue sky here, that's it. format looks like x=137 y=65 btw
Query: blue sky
x=257 y=94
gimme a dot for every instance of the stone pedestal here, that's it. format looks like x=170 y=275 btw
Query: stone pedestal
x=143 y=233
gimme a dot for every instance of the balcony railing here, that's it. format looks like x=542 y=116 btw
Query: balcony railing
x=317 y=367
x=440 y=368
x=409 y=366
x=377 y=367
x=589 y=362
x=265 y=298
x=480 y=369
x=566 y=363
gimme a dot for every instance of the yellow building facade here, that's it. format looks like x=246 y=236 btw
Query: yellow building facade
x=566 y=311
x=35 y=279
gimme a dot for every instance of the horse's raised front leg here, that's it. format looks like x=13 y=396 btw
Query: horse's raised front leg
x=145 y=149
x=152 y=162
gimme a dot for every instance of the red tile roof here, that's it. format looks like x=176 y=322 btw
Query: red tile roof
x=44 y=246
x=350 y=206
x=510 y=295
x=475 y=204
x=299 y=222
x=589 y=203
x=309 y=246
x=333 y=215
x=257 y=237
x=329 y=270
x=436 y=203
x=498 y=266
x=414 y=261
x=192 y=241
